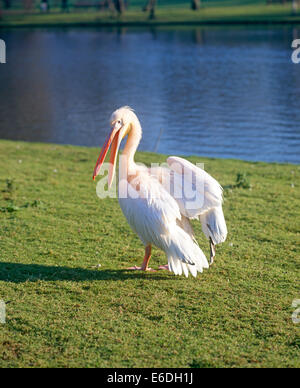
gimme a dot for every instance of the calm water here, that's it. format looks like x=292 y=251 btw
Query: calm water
x=220 y=92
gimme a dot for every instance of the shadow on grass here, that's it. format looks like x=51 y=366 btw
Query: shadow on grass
x=20 y=273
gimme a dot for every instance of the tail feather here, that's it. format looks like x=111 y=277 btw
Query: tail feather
x=185 y=269
x=214 y=225
x=184 y=255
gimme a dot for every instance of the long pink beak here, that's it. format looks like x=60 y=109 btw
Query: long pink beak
x=113 y=139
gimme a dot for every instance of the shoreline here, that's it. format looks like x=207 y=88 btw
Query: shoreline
x=152 y=24
x=143 y=152
x=207 y=16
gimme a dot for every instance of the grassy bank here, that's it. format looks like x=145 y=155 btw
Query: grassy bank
x=213 y=14
x=65 y=310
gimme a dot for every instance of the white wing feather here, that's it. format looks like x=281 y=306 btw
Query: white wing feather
x=198 y=191
x=201 y=197
x=153 y=213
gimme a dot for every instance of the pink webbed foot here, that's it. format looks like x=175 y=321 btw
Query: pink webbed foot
x=136 y=268
x=164 y=267
x=144 y=266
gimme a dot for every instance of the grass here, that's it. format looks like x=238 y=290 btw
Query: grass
x=67 y=311
x=176 y=13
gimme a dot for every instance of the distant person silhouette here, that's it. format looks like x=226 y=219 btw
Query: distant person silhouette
x=44 y=6
x=64 y=6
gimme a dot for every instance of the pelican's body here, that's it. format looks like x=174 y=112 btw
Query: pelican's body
x=158 y=204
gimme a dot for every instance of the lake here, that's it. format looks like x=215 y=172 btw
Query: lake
x=230 y=92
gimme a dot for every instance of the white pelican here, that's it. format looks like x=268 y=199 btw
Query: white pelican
x=157 y=207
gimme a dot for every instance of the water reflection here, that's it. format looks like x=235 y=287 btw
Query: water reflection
x=223 y=92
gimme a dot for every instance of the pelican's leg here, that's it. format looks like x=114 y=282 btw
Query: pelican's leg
x=212 y=251
x=144 y=266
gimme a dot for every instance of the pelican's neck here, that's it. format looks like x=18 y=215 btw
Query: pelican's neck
x=133 y=141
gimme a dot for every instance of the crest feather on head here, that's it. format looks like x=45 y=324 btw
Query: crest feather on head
x=125 y=113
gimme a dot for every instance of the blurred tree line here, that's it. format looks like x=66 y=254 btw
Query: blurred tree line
x=116 y=6
x=119 y=6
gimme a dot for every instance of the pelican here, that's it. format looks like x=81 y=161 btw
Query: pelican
x=157 y=202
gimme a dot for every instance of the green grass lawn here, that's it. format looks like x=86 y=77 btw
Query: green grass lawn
x=65 y=310
x=178 y=12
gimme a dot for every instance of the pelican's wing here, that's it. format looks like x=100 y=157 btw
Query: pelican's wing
x=154 y=214
x=199 y=196
x=148 y=207
x=194 y=189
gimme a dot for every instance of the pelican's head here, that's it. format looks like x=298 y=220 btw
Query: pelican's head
x=121 y=123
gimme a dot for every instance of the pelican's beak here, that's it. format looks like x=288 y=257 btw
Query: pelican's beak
x=114 y=139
